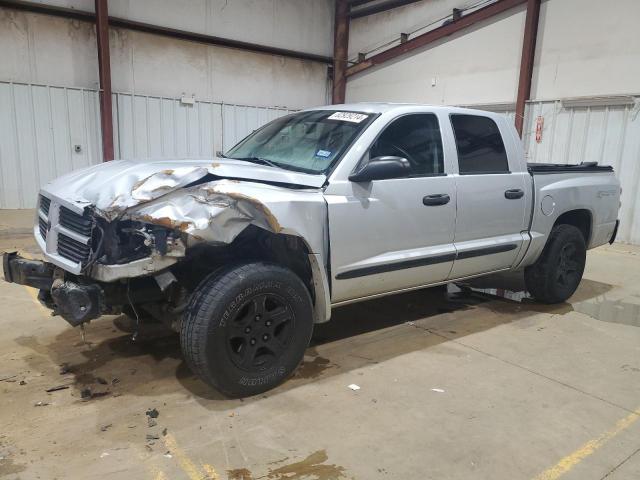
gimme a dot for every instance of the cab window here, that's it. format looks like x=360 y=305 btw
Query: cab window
x=415 y=137
x=479 y=144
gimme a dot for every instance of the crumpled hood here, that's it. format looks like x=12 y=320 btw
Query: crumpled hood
x=113 y=187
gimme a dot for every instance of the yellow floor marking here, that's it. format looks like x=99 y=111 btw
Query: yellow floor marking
x=186 y=463
x=33 y=293
x=571 y=460
x=213 y=475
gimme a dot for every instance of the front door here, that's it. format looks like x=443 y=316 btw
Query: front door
x=394 y=234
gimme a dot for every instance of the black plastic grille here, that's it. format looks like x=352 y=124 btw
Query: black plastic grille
x=44 y=204
x=78 y=223
x=42 y=226
x=72 y=249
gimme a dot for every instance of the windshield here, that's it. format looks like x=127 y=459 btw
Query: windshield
x=307 y=141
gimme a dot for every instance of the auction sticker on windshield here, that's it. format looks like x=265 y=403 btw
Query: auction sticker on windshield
x=348 y=117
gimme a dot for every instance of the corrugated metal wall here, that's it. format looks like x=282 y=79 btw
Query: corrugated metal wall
x=164 y=127
x=40 y=127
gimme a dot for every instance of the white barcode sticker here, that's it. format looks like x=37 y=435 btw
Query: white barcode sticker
x=348 y=117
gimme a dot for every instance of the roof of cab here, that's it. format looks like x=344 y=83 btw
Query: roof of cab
x=382 y=107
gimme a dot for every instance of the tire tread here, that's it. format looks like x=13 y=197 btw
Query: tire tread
x=195 y=323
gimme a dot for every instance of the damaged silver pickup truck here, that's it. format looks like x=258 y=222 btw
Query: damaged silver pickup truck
x=243 y=254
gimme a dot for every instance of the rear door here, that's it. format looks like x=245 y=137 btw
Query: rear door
x=491 y=200
x=394 y=234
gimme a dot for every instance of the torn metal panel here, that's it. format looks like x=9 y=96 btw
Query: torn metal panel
x=218 y=211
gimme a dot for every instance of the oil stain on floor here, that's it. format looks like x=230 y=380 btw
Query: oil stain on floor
x=311 y=468
x=313 y=365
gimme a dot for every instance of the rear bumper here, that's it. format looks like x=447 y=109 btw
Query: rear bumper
x=615 y=232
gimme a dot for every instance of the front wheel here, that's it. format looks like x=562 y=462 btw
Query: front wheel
x=246 y=328
x=557 y=273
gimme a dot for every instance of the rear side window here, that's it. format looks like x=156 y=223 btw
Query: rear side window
x=479 y=144
x=415 y=137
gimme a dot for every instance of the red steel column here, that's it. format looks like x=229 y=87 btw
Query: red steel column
x=340 y=51
x=526 y=62
x=104 y=71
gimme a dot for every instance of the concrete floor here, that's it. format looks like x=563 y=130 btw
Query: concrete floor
x=458 y=387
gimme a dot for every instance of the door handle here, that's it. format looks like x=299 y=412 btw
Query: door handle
x=434 y=200
x=513 y=194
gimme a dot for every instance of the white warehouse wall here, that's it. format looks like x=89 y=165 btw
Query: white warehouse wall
x=47 y=50
x=584 y=48
x=304 y=25
x=479 y=65
x=587 y=48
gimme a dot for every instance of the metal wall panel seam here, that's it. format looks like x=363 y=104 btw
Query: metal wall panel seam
x=554 y=123
x=623 y=135
x=585 y=137
x=146 y=107
x=174 y=118
x=35 y=138
x=633 y=213
x=68 y=117
x=3 y=197
x=161 y=127
x=53 y=140
x=85 y=133
x=21 y=199
x=605 y=131
x=567 y=147
x=116 y=129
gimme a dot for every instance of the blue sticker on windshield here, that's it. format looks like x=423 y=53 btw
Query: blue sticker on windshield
x=323 y=153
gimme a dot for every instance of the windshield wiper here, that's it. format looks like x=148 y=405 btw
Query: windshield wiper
x=259 y=160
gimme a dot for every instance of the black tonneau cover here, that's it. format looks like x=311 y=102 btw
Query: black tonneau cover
x=567 y=168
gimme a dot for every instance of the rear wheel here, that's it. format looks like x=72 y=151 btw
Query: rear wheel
x=246 y=328
x=557 y=273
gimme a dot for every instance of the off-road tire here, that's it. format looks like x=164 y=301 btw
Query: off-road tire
x=557 y=273
x=224 y=304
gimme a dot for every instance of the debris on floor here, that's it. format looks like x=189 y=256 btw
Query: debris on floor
x=56 y=388
x=104 y=428
x=151 y=422
x=41 y=404
x=354 y=387
x=437 y=390
x=152 y=413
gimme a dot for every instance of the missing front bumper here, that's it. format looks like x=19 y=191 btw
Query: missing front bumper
x=80 y=299
x=74 y=302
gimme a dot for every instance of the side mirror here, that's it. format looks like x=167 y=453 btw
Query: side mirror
x=380 y=168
